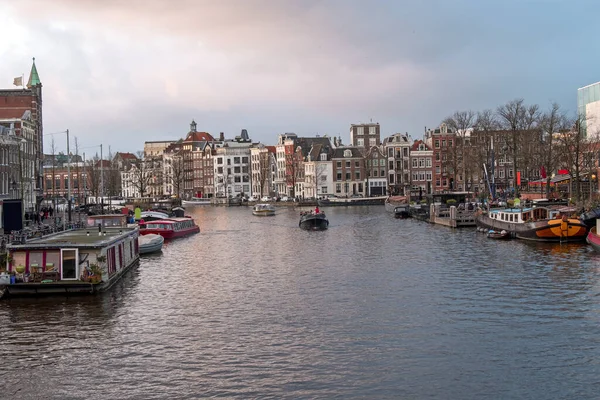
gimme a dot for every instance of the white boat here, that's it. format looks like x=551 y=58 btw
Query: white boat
x=196 y=201
x=150 y=243
x=263 y=210
x=153 y=215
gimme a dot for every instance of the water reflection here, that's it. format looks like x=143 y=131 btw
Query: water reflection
x=373 y=307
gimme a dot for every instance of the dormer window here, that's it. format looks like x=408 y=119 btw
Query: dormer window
x=323 y=156
x=347 y=153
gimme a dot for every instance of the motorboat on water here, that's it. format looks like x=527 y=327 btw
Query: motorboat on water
x=498 y=235
x=313 y=221
x=263 y=210
x=196 y=201
x=401 y=212
x=150 y=243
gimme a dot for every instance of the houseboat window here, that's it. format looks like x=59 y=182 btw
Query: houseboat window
x=511 y=218
x=69 y=263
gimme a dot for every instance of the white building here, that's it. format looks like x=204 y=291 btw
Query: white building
x=318 y=172
x=232 y=169
x=397 y=149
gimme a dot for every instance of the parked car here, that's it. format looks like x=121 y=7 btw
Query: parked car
x=253 y=198
x=266 y=198
x=285 y=198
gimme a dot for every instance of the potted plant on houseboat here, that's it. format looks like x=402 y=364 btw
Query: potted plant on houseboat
x=95 y=273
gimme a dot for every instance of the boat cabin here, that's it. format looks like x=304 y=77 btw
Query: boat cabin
x=522 y=215
x=110 y=220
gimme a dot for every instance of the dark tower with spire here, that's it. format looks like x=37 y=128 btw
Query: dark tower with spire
x=193 y=126
x=17 y=103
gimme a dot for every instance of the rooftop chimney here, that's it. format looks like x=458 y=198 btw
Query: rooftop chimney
x=221 y=137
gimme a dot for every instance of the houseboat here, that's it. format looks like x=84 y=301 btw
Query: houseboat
x=82 y=261
x=542 y=224
x=170 y=228
x=263 y=210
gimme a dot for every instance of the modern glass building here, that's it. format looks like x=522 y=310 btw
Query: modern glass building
x=588 y=108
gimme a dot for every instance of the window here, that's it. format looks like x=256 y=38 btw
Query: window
x=338 y=188
x=444 y=145
x=429 y=176
x=347 y=164
x=437 y=156
x=360 y=142
x=323 y=189
x=236 y=160
x=348 y=153
x=229 y=161
x=414 y=176
x=405 y=151
x=357 y=164
x=390 y=152
x=348 y=176
x=375 y=173
x=360 y=130
x=338 y=164
x=245 y=178
x=437 y=169
x=48 y=183
x=372 y=130
x=391 y=165
x=428 y=162
x=244 y=160
x=245 y=169
x=382 y=172
x=339 y=176
x=372 y=141
x=219 y=170
x=450 y=143
x=392 y=178
x=357 y=175
x=415 y=162
x=437 y=182
x=323 y=156
x=219 y=160
x=437 y=144
x=421 y=162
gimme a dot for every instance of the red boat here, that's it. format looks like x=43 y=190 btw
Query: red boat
x=593 y=239
x=170 y=228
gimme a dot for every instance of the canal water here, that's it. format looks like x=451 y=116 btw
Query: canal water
x=372 y=308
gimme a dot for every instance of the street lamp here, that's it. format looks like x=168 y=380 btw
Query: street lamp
x=13 y=185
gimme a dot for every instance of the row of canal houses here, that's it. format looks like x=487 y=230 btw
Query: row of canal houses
x=200 y=165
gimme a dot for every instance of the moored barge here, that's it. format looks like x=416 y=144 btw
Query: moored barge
x=82 y=261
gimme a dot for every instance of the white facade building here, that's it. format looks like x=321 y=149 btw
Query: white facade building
x=232 y=169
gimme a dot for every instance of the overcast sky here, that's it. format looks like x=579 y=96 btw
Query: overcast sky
x=123 y=72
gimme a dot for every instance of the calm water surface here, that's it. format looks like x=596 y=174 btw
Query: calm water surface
x=372 y=308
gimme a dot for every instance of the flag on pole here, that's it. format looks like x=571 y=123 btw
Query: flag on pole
x=18 y=81
x=543 y=172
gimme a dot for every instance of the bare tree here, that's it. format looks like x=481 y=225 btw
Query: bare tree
x=461 y=122
x=140 y=174
x=94 y=174
x=113 y=178
x=551 y=122
x=264 y=169
x=294 y=169
x=517 y=118
x=485 y=128
x=178 y=171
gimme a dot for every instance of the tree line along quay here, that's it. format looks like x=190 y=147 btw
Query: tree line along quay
x=517 y=149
